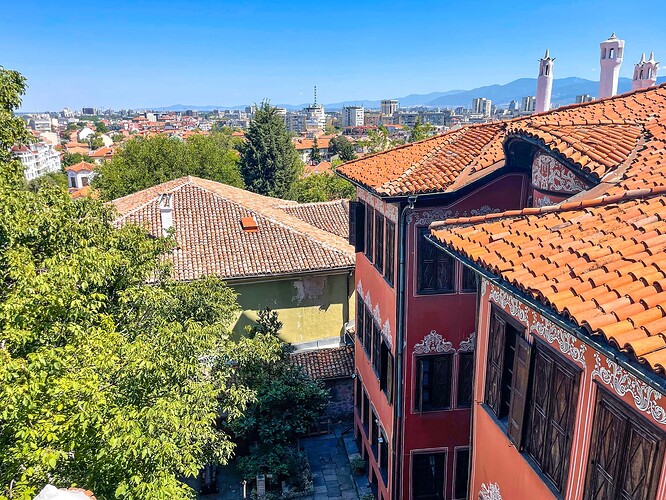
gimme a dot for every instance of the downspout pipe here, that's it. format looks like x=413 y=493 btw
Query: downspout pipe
x=400 y=336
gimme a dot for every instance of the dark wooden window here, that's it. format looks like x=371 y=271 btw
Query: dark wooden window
x=383 y=455
x=428 y=476
x=376 y=347
x=356 y=225
x=519 y=385
x=435 y=268
x=360 y=320
x=367 y=331
x=365 y=418
x=465 y=378
x=369 y=232
x=433 y=382
x=552 y=410
x=386 y=372
x=469 y=280
x=358 y=401
x=461 y=472
x=374 y=437
x=626 y=453
x=389 y=265
x=379 y=242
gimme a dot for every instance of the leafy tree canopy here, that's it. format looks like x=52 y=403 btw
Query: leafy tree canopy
x=269 y=161
x=315 y=154
x=321 y=187
x=378 y=140
x=69 y=159
x=342 y=147
x=146 y=162
x=420 y=131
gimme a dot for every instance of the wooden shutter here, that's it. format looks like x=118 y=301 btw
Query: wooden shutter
x=389 y=378
x=360 y=319
x=540 y=397
x=495 y=363
x=367 y=332
x=356 y=225
x=441 y=382
x=426 y=263
x=369 y=233
x=465 y=378
x=641 y=463
x=382 y=365
x=519 y=383
x=389 y=265
x=379 y=242
x=419 y=383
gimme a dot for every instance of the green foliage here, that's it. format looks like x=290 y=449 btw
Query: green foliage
x=117 y=138
x=342 y=147
x=95 y=141
x=101 y=127
x=321 y=187
x=12 y=128
x=58 y=179
x=315 y=154
x=105 y=382
x=146 y=162
x=282 y=461
x=269 y=161
x=420 y=131
x=378 y=140
x=69 y=159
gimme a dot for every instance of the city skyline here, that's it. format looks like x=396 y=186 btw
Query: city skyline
x=216 y=53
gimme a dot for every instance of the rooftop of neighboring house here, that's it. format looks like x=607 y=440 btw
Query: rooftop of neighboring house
x=597 y=139
x=323 y=364
x=324 y=167
x=331 y=216
x=82 y=166
x=103 y=152
x=598 y=259
x=303 y=143
x=232 y=233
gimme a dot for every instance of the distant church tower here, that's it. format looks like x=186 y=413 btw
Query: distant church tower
x=544 y=83
x=611 y=60
x=645 y=73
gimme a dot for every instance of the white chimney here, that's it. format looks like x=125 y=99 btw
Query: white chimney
x=610 y=59
x=165 y=202
x=544 y=83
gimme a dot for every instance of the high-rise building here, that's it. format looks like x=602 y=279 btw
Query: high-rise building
x=352 y=116
x=528 y=104
x=513 y=106
x=389 y=106
x=482 y=106
x=88 y=111
x=544 y=83
x=610 y=57
x=645 y=73
x=581 y=98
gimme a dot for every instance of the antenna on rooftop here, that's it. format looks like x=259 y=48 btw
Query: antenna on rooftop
x=315 y=95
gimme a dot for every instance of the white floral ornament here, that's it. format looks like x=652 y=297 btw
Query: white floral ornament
x=490 y=492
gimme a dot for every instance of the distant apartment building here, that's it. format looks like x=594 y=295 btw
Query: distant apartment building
x=513 y=106
x=88 y=111
x=37 y=159
x=374 y=118
x=482 y=106
x=437 y=118
x=316 y=117
x=40 y=124
x=528 y=104
x=295 y=122
x=580 y=99
x=406 y=118
x=352 y=116
x=389 y=106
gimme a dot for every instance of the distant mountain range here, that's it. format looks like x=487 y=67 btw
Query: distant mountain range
x=565 y=91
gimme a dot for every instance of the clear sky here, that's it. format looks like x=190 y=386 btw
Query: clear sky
x=143 y=53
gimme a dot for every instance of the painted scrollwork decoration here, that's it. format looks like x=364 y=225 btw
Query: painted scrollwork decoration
x=433 y=343
x=468 y=344
x=622 y=382
x=490 y=492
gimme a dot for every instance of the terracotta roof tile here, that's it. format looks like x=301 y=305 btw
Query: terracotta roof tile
x=324 y=364
x=615 y=291
x=331 y=216
x=211 y=240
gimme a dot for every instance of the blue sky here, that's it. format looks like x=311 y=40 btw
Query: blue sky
x=157 y=53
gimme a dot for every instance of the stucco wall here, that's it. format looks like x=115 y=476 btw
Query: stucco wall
x=311 y=307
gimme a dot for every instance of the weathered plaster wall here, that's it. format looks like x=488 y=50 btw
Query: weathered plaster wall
x=311 y=308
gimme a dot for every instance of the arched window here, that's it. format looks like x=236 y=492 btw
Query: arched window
x=649 y=72
x=611 y=53
x=641 y=77
x=547 y=70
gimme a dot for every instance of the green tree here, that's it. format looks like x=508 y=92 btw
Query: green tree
x=95 y=141
x=378 y=140
x=420 y=131
x=321 y=187
x=269 y=161
x=117 y=138
x=69 y=159
x=146 y=162
x=315 y=154
x=105 y=382
x=342 y=147
x=58 y=179
x=101 y=127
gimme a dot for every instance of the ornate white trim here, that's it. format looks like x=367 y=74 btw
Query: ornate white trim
x=484 y=210
x=376 y=314
x=468 y=344
x=567 y=343
x=551 y=175
x=433 y=342
x=484 y=286
x=386 y=333
x=490 y=492
x=622 y=382
x=425 y=217
x=359 y=288
x=391 y=212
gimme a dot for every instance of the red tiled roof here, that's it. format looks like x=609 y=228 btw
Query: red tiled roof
x=211 y=240
x=322 y=364
x=104 y=152
x=324 y=167
x=331 y=216
x=597 y=137
x=599 y=262
x=82 y=166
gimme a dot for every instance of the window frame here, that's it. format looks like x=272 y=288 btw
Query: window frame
x=465 y=270
x=454 y=482
x=437 y=254
x=389 y=258
x=443 y=470
x=379 y=241
x=459 y=384
x=419 y=388
x=369 y=232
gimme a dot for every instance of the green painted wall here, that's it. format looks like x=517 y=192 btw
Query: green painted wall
x=311 y=308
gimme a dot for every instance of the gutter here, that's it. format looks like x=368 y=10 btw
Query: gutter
x=283 y=277
x=400 y=334
x=658 y=383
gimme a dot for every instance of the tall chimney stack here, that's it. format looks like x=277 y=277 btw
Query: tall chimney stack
x=610 y=60
x=544 y=83
x=165 y=202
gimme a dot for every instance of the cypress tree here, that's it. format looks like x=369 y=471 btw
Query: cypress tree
x=269 y=161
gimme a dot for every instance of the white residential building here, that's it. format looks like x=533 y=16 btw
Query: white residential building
x=389 y=107
x=528 y=104
x=37 y=159
x=482 y=106
x=352 y=116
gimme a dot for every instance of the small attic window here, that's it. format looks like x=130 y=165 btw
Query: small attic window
x=249 y=224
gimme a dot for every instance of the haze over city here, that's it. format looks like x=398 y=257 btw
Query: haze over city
x=152 y=54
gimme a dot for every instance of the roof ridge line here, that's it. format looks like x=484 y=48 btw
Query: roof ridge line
x=149 y=201
x=631 y=194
